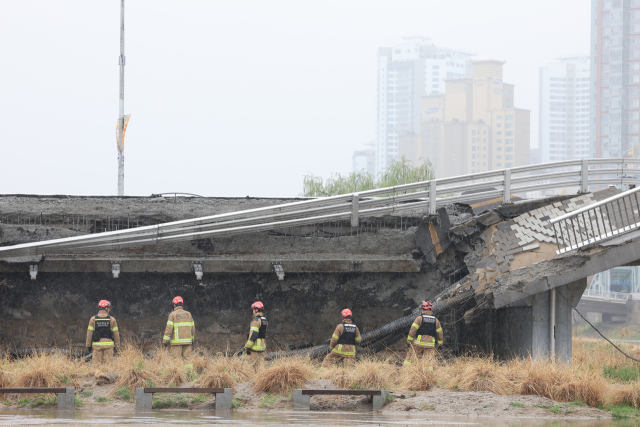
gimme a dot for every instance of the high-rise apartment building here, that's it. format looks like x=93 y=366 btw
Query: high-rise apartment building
x=564 y=110
x=472 y=127
x=615 y=77
x=406 y=72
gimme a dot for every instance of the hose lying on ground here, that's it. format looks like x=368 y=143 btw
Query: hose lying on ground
x=383 y=337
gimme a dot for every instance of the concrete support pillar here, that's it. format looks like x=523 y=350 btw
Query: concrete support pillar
x=301 y=402
x=144 y=401
x=379 y=401
x=224 y=400
x=66 y=400
x=524 y=327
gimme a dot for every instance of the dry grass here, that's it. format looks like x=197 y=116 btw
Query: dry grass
x=44 y=370
x=583 y=380
x=419 y=376
x=628 y=394
x=223 y=371
x=283 y=375
x=136 y=371
x=483 y=374
x=133 y=378
x=374 y=374
x=4 y=378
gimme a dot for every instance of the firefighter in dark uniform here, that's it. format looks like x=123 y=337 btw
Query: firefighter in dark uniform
x=343 y=341
x=102 y=334
x=256 y=343
x=423 y=333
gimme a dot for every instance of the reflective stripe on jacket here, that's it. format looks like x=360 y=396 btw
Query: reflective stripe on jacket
x=104 y=342
x=343 y=349
x=425 y=340
x=180 y=328
x=253 y=342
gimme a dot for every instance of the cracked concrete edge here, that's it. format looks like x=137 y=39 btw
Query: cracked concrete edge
x=598 y=259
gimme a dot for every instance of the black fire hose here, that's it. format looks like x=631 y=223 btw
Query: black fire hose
x=380 y=338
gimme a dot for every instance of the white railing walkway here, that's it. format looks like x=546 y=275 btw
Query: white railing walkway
x=419 y=196
x=598 y=221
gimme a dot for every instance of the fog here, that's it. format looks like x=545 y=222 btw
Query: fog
x=232 y=98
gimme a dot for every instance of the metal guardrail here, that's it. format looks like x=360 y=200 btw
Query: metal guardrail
x=419 y=196
x=598 y=221
x=606 y=295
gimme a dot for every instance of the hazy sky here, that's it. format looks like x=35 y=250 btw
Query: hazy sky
x=232 y=98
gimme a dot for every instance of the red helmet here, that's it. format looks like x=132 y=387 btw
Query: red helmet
x=104 y=304
x=178 y=300
x=427 y=305
x=257 y=304
x=346 y=313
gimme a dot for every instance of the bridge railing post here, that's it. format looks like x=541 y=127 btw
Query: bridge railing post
x=507 y=186
x=584 y=184
x=432 y=197
x=354 y=210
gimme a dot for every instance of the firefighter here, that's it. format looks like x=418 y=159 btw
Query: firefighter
x=102 y=335
x=423 y=333
x=257 y=338
x=343 y=341
x=180 y=333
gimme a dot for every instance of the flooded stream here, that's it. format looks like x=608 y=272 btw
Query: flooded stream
x=275 y=418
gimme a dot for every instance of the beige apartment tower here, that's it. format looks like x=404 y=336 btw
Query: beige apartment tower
x=473 y=127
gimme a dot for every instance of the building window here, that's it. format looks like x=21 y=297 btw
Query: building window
x=484 y=148
x=508 y=157
x=473 y=164
x=509 y=133
x=473 y=148
x=509 y=141
x=509 y=125
x=499 y=148
x=508 y=149
x=508 y=165
x=499 y=141
x=498 y=157
x=473 y=156
x=484 y=164
x=499 y=117
x=473 y=132
x=473 y=140
x=499 y=164
x=509 y=117
x=499 y=124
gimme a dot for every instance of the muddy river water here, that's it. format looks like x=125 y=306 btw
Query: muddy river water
x=275 y=418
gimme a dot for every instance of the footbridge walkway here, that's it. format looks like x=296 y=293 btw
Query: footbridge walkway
x=527 y=260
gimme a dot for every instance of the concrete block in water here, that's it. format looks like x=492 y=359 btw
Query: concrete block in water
x=301 y=402
x=223 y=400
x=378 y=401
x=66 y=400
x=144 y=401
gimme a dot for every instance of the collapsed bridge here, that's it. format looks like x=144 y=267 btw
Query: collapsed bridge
x=489 y=257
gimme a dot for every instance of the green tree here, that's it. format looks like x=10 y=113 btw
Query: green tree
x=397 y=173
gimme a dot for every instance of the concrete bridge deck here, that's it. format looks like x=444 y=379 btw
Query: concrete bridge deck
x=378 y=268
